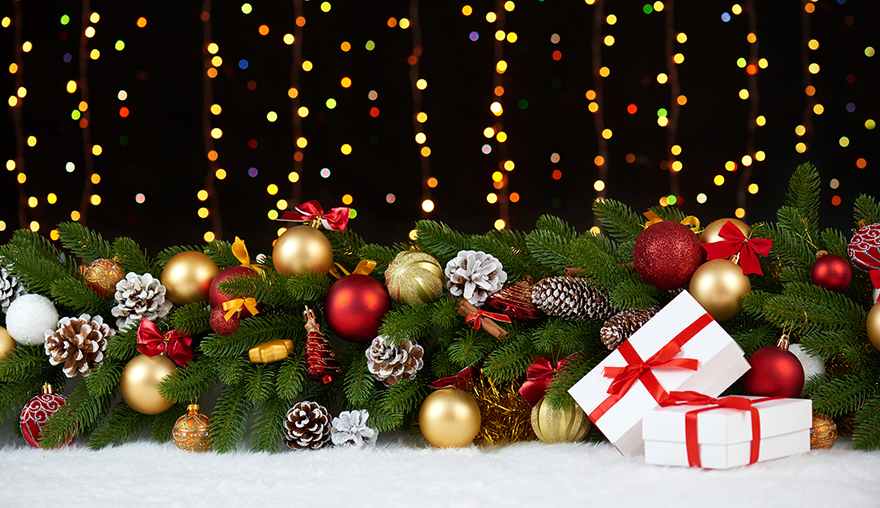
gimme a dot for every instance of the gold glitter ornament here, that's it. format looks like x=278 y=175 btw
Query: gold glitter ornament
x=191 y=432
x=414 y=278
x=506 y=416
x=823 y=434
x=559 y=425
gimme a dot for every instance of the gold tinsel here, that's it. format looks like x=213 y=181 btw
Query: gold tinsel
x=506 y=416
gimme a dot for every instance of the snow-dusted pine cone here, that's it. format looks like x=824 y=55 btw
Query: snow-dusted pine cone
x=571 y=298
x=10 y=289
x=391 y=364
x=350 y=429
x=474 y=275
x=307 y=426
x=78 y=343
x=622 y=325
x=138 y=297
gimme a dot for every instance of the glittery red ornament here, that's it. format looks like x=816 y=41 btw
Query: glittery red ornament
x=775 y=372
x=831 y=272
x=864 y=248
x=219 y=323
x=666 y=254
x=354 y=307
x=37 y=411
x=216 y=298
x=102 y=276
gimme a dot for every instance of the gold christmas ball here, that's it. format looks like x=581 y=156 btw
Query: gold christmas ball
x=717 y=285
x=873 y=325
x=191 y=433
x=449 y=418
x=414 y=278
x=187 y=277
x=301 y=249
x=7 y=343
x=139 y=383
x=102 y=275
x=559 y=425
x=823 y=434
x=710 y=234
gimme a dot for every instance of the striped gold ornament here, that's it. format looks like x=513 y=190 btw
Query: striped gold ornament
x=414 y=278
x=559 y=425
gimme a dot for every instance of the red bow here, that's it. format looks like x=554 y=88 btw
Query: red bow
x=153 y=343
x=459 y=380
x=539 y=376
x=335 y=219
x=735 y=242
x=875 y=280
x=477 y=317
x=625 y=377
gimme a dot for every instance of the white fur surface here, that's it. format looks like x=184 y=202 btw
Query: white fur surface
x=403 y=471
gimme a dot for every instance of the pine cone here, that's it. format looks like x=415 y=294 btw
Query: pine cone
x=392 y=364
x=138 y=297
x=78 y=343
x=10 y=289
x=623 y=324
x=307 y=426
x=571 y=298
x=474 y=275
x=350 y=429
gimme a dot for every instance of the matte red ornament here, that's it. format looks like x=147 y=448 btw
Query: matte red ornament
x=219 y=323
x=831 y=272
x=216 y=298
x=864 y=248
x=354 y=307
x=666 y=254
x=37 y=411
x=775 y=372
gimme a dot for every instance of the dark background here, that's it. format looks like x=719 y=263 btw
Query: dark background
x=162 y=69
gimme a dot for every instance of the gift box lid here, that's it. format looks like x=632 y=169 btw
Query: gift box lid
x=726 y=426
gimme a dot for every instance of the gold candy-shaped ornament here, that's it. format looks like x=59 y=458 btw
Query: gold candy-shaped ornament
x=271 y=351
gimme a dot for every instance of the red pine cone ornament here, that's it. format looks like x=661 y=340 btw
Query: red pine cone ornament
x=320 y=358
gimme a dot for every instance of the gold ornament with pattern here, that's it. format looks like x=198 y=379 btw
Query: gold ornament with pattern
x=414 y=278
x=191 y=433
x=823 y=434
x=559 y=425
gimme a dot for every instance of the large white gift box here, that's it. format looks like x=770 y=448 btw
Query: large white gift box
x=716 y=437
x=637 y=376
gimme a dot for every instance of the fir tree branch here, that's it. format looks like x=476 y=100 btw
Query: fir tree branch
x=406 y=395
x=307 y=287
x=193 y=318
x=77 y=296
x=133 y=259
x=471 y=347
x=549 y=250
x=834 y=242
x=253 y=331
x=803 y=195
x=13 y=397
x=259 y=383
x=441 y=241
x=187 y=385
x=511 y=360
x=838 y=395
x=84 y=243
x=634 y=293
x=267 y=429
x=578 y=367
x=123 y=345
x=268 y=287
x=557 y=335
x=380 y=254
x=40 y=246
x=163 y=423
x=231 y=370
x=290 y=382
x=381 y=418
x=221 y=253
x=516 y=262
x=358 y=381
x=35 y=272
x=804 y=307
x=444 y=313
x=867 y=433
x=556 y=226
x=752 y=339
x=866 y=208
x=123 y=425
x=618 y=219
x=23 y=364
x=229 y=418
x=346 y=246
x=407 y=322
x=105 y=379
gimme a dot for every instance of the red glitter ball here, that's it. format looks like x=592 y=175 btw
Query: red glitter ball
x=666 y=254
x=220 y=325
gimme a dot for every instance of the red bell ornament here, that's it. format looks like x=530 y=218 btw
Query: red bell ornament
x=355 y=305
x=775 y=372
x=831 y=272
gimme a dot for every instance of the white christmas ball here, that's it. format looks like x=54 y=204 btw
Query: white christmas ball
x=812 y=365
x=28 y=318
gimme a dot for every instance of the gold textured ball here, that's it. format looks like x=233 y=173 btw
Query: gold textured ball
x=414 y=278
x=717 y=285
x=7 y=343
x=301 y=249
x=102 y=275
x=559 y=425
x=873 y=325
x=710 y=234
x=139 y=383
x=192 y=433
x=823 y=434
x=187 y=277
x=449 y=418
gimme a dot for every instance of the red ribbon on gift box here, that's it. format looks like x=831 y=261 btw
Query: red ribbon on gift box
x=735 y=242
x=539 y=375
x=152 y=342
x=690 y=419
x=640 y=370
x=335 y=219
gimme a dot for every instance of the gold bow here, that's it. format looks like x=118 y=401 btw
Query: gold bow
x=241 y=254
x=689 y=221
x=233 y=306
x=365 y=267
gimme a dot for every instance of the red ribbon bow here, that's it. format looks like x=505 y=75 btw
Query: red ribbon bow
x=335 y=219
x=539 y=376
x=153 y=343
x=690 y=419
x=735 y=242
x=875 y=280
x=477 y=318
x=459 y=380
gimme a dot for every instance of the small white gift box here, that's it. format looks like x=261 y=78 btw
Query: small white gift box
x=716 y=437
x=636 y=377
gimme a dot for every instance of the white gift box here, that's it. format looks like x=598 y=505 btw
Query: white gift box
x=720 y=363
x=724 y=435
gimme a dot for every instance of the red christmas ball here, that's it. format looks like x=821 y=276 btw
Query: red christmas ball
x=216 y=298
x=219 y=323
x=864 y=248
x=666 y=254
x=354 y=307
x=36 y=412
x=831 y=272
x=775 y=372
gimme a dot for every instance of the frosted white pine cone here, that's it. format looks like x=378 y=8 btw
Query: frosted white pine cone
x=10 y=289
x=350 y=429
x=474 y=275
x=138 y=297
x=393 y=363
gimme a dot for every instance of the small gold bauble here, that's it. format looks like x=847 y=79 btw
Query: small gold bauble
x=103 y=274
x=140 y=380
x=873 y=325
x=710 y=234
x=187 y=277
x=559 y=425
x=7 y=343
x=823 y=434
x=449 y=418
x=191 y=433
x=718 y=285
x=414 y=278
x=302 y=249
